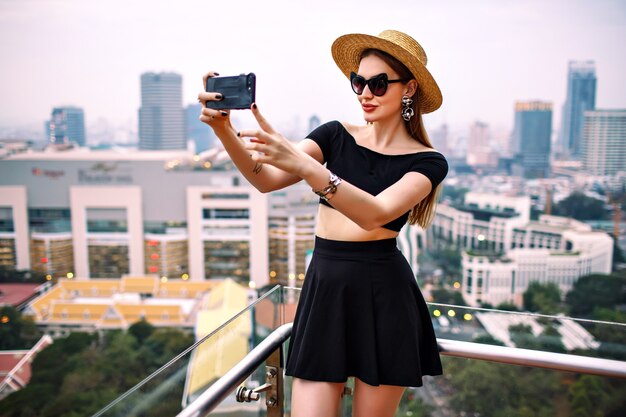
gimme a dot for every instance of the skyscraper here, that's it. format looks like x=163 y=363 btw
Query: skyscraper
x=200 y=133
x=581 y=96
x=604 y=141
x=479 y=152
x=66 y=125
x=531 y=139
x=161 y=116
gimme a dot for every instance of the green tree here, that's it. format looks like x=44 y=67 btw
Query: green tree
x=487 y=339
x=523 y=337
x=588 y=396
x=21 y=276
x=581 y=207
x=507 y=307
x=496 y=390
x=414 y=406
x=80 y=374
x=449 y=260
x=16 y=331
x=597 y=290
x=551 y=340
x=543 y=298
x=141 y=330
x=444 y=296
x=455 y=195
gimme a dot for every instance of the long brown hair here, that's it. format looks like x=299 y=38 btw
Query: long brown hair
x=423 y=212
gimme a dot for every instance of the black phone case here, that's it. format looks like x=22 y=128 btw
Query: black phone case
x=238 y=91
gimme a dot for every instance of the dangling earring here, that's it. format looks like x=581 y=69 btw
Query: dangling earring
x=407 y=110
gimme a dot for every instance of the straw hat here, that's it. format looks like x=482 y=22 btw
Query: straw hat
x=347 y=51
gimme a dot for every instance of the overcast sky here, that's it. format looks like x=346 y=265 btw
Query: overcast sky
x=485 y=54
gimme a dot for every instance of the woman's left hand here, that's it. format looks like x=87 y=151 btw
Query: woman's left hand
x=270 y=147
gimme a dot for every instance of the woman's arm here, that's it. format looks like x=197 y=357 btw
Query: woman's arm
x=366 y=210
x=264 y=178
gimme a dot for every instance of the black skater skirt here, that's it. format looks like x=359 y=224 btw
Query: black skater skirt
x=361 y=314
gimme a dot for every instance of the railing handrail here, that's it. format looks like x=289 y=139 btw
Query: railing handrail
x=535 y=358
x=216 y=393
x=220 y=389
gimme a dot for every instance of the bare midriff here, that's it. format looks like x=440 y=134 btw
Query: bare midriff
x=333 y=225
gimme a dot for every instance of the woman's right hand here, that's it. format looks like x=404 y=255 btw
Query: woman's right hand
x=217 y=119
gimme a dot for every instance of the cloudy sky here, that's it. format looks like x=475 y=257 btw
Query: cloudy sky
x=485 y=54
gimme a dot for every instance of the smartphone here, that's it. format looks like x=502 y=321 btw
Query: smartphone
x=238 y=91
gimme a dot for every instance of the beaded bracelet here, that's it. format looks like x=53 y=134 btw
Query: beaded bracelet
x=329 y=191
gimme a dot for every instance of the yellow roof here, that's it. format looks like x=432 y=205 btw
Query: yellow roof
x=91 y=288
x=143 y=284
x=41 y=305
x=70 y=312
x=155 y=314
x=184 y=289
x=59 y=304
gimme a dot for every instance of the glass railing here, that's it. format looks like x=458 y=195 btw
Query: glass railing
x=474 y=383
x=184 y=378
x=548 y=333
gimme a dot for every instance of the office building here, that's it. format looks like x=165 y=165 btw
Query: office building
x=291 y=233
x=581 y=96
x=87 y=214
x=604 y=142
x=504 y=251
x=531 y=139
x=66 y=126
x=161 y=116
x=479 y=150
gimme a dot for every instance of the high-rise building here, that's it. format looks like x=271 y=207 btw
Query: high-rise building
x=479 y=152
x=198 y=132
x=581 y=96
x=66 y=125
x=604 y=141
x=531 y=139
x=161 y=116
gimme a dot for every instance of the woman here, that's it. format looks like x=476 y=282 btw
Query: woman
x=360 y=313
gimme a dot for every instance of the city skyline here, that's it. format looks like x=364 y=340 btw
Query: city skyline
x=485 y=55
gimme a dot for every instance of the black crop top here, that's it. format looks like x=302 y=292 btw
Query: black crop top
x=372 y=171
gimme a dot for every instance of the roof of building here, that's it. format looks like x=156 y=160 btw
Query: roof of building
x=115 y=303
x=15 y=368
x=17 y=294
x=86 y=154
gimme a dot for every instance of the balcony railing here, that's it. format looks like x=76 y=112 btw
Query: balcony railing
x=248 y=349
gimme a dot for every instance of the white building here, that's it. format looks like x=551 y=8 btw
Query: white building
x=103 y=214
x=604 y=142
x=504 y=251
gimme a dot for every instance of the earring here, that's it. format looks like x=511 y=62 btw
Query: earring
x=407 y=110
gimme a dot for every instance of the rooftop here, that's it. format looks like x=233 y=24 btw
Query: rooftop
x=17 y=294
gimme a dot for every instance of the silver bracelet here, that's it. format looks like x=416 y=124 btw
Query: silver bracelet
x=329 y=191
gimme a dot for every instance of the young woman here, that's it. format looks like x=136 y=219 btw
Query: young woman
x=360 y=313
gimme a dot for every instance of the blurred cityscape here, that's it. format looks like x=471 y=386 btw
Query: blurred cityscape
x=112 y=225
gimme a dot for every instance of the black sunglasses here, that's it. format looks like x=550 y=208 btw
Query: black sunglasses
x=377 y=84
